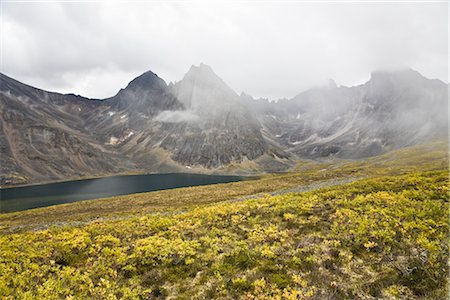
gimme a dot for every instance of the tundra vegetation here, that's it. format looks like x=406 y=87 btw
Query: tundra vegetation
x=384 y=234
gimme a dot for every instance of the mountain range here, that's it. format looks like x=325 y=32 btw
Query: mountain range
x=200 y=124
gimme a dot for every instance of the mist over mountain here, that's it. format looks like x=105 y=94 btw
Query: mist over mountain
x=391 y=110
x=201 y=124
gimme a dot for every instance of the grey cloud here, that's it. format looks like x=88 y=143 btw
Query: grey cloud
x=265 y=49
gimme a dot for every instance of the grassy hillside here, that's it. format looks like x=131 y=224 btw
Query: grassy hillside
x=428 y=157
x=383 y=235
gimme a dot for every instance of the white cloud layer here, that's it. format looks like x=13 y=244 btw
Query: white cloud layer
x=266 y=49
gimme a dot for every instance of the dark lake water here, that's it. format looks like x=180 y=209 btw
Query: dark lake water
x=22 y=198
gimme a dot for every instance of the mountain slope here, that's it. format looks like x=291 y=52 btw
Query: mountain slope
x=50 y=136
x=200 y=124
x=390 y=111
x=46 y=136
x=222 y=130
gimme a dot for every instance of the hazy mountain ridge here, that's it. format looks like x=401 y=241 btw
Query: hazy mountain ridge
x=391 y=110
x=201 y=124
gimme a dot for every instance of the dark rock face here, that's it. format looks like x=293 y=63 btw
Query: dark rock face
x=223 y=130
x=46 y=136
x=200 y=123
x=146 y=94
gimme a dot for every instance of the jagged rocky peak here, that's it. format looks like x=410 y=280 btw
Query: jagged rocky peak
x=202 y=76
x=225 y=130
x=147 y=80
x=201 y=89
x=203 y=73
x=146 y=94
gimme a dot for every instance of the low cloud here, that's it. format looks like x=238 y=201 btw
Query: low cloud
x=176 y=116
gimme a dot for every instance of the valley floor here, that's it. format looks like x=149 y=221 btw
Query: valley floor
x=358 y=229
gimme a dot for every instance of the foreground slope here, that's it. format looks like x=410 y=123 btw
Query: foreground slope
x=385 y=236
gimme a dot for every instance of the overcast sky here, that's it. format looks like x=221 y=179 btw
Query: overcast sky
x=266 y=49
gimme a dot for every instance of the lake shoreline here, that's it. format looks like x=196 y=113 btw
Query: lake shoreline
x=41 y=195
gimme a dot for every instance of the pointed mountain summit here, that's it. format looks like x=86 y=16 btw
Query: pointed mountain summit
x=146 y=94
x=226 y=131
x=201 y=89
x=204 y=75
x=148 y=80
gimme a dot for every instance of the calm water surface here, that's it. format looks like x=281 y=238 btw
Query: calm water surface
x=22 y=198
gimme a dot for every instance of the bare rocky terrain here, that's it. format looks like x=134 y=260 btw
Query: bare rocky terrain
x=200 y=124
